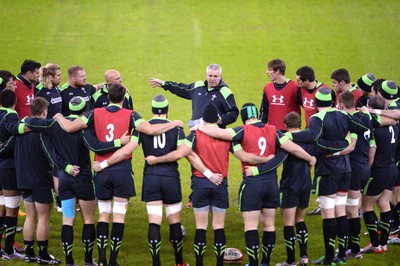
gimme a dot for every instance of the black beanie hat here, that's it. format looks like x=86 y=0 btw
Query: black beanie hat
x=323 y=97
x=159 y=105
x=77 y=105
x=210 y=113
x=388 y=90
x=365 y=82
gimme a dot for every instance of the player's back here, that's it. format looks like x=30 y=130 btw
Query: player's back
x=160 y=145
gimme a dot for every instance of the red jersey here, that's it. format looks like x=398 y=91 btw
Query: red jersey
x=355 y=91
x=213 y=152
x=24 y=97
x=307 y=100
x=281 y=102
x=109 y=126
x=259 y=140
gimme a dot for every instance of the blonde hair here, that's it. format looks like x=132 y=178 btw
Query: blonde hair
x=46 y=75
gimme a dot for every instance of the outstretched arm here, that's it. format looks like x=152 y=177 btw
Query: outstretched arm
x=70 y=126
x=157 y=129
x=216 y=132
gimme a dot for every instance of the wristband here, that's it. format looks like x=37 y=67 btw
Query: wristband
x=103 y=164
x=378 y=111
x=336 y=153
x=207 y=173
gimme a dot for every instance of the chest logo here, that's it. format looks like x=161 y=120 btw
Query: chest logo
x=29 y=98
x=213 y=97
x=278 y=100
x=308 y=103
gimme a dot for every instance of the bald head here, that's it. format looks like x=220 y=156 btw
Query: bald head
x=112 y=76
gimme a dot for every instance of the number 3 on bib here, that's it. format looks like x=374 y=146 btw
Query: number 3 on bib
x=110 y=135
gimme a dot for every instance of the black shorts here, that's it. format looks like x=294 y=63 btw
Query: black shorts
x=165 y=188
x=359 y=178
x=206 y=195
x=290 y=198
x=111 y=183
x=255 y=196
x=397 y=182
x=38 y=195
x=331 y=184
x=378 y=182
x=8 y=179
x=83 y=190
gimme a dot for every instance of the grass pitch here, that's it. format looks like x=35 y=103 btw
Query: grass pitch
x=176 y=40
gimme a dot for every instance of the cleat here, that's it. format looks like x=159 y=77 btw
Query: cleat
x=394 y=240
x=90 y=264
x=19 y=229
x=339 y=261
x=285 y=264
x=383 y=248
x=21 y=213
x=303 y=261
x=323 y=261
x=30 y=258
x=317 y=211
x=371 y=249
x=18 y=247
x=14 y=256
x=48 y=261
x=351 y=255
x=394 y=231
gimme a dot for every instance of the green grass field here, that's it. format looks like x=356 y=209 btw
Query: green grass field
x=176 y=40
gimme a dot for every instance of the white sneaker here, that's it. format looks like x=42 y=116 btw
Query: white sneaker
x=371 y=249
x=394 y=240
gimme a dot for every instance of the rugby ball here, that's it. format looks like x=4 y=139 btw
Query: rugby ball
x=233 y=255
x=183 y=231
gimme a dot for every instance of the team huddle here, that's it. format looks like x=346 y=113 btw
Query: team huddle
x=351 y=138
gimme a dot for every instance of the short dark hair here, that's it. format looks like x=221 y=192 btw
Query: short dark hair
x=277 y=64
x=377 y=102
x=5 y=75
x=116 y=93
x=292 y=120
x=38 y=106
x=347 y=98
x=376 y=85
x=341 y=74
x=7 y=98
x=306 y=73
x=29 y=65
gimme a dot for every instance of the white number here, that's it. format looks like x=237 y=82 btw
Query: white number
x=393 y=140
x=262 y=144
x=110 y=136
x=159 y=141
